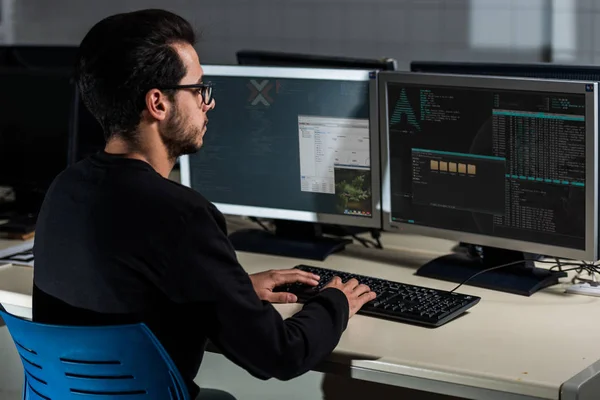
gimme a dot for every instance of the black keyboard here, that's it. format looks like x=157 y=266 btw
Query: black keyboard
x=396 y=301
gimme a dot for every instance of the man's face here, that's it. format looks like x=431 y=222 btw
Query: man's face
x=184 y=129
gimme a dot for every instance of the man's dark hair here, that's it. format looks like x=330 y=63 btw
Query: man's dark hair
x=121 y=58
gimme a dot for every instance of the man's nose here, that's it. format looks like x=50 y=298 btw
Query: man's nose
x=210 y=106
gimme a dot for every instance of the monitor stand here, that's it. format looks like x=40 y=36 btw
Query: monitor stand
x=523 y=279
x=290 y=239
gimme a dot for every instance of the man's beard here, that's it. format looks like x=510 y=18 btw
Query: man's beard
x=179 y=137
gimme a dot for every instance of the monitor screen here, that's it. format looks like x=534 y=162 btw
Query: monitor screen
x=292 y=144
x=493 y=161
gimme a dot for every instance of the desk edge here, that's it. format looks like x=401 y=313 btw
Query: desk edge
x=447 y=387
x=433 y=385
x=583 y=386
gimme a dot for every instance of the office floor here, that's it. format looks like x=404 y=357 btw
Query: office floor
x=11 y=371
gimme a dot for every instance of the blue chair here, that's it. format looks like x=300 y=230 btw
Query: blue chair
x=106 y=362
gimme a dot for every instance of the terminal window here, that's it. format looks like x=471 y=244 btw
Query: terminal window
x=292 y=144
x=500 y=163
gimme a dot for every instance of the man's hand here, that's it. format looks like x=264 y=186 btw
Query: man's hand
x=357 y=294
x=265 y=282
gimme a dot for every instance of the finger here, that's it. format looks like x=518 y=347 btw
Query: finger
x=298 y=277
x=367 y=297
x=352 y=283
x=297 y=271
x=335 y=281
x=281 y=297
x=361 y=289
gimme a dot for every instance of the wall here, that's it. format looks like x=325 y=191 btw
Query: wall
x=576 y=33
x=404 y=29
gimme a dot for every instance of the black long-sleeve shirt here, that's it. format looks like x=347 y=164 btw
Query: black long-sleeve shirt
x=117 y=243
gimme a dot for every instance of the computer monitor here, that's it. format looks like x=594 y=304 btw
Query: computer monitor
x=35 y=125
x=524 y=70
x=292 y=145
x=283 y=59
x=39 y=56
x=87 y=136
x=509 y=164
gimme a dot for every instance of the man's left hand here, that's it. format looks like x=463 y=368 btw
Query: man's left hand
x=265 y=282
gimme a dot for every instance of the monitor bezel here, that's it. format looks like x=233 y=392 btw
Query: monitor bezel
x=590 y=253
x=535 y=70
x=295 y=215
x=259 y=58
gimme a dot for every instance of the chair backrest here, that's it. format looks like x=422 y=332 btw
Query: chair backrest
x=73 y=362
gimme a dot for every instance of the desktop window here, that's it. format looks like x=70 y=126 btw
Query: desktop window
x=288 y=144
x=502 y=163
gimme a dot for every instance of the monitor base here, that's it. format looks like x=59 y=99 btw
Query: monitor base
x=522 y=279
x=291 y=239
x=473 y=250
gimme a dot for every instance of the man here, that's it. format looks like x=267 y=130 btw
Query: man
x=117 y=242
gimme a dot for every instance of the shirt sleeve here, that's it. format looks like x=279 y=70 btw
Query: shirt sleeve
x=248 y=331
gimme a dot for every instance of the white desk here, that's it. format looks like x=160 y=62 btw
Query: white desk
x=506 y=347
x=16 y=284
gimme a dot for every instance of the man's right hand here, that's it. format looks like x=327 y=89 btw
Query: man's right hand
x=357 y=294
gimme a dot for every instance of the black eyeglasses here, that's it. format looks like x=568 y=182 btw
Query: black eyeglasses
x=204 y=89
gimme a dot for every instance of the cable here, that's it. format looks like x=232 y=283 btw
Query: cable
x=364 y=242
x=376 y=235
x=487 y=270
x=577 y=266
x=591 y=268
x=375 y=243
x=343 y=231
x=259 y=222
x=558 y=265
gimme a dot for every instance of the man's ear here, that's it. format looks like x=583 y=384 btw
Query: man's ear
x=157 y=104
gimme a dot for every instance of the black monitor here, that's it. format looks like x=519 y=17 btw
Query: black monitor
x=300 y=146
x=87 y=135
x=283 y=59
x=39 y=57
x=508 y=164
x=525 y=70
x=35 y=126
